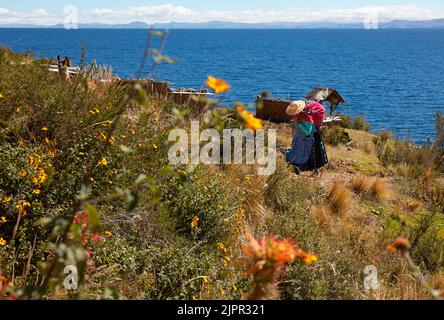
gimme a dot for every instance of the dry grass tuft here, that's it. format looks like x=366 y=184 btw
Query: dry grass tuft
x=408 y=206
x=361 y=184
x=341 y=198
x=428 y=176
x=414 y=205
x=380 y=190
x=322 y=214
x=438 y=284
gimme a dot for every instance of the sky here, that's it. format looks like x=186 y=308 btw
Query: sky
x=49 y=12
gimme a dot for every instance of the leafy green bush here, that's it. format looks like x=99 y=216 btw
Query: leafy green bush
x=356 y=123
x=204 y=200
x=335 y=135
x=176 y=272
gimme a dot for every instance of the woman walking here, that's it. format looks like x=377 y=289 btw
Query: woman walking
x=308 y=151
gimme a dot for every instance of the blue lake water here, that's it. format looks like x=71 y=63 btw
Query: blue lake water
x=393 y=77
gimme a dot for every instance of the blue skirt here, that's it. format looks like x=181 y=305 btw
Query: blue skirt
x=308 y=152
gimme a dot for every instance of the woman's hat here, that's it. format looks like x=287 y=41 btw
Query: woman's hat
x=295 y=108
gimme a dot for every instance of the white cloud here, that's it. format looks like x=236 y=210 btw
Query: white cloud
x=169 y=13
x=39 y=16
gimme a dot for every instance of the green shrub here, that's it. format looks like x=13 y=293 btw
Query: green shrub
x=202 y=197
x=175 y=272
x=356 y=123
x=335 y=135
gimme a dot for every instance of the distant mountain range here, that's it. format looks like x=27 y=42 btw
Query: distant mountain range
x=396 y=24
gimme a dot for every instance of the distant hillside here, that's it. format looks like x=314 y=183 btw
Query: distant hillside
x=396 y=24
x=405 y=24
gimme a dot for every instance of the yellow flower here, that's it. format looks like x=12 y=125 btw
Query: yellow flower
x=3 y=218
x=46 y=140
x=155 y=147
x=205 y=279
x=222 y=247
x=7 y=199
x=195 y=222
x=34 y=161
x=103 y=162
x=226 y=261
x=44 y=129
x=52 y=152
x=22 y=173
x=94 y=111
x=2 y=242
x=17 y=109
x=108 y=234
x=193 y=298
x=103 y=135
x=36 y=191
x=20 y=209
x=42 y=176
x=81 y=153
x=308 y=258
x=218 y=85
x=234 y=287
x=1 y=95
x=25 y=203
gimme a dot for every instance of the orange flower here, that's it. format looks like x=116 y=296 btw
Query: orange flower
x=284 y=251
x=218 y=85
x=251 y=121
x=95 y=237
x=111 y=141
x=400 y=244
x=270 y=255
